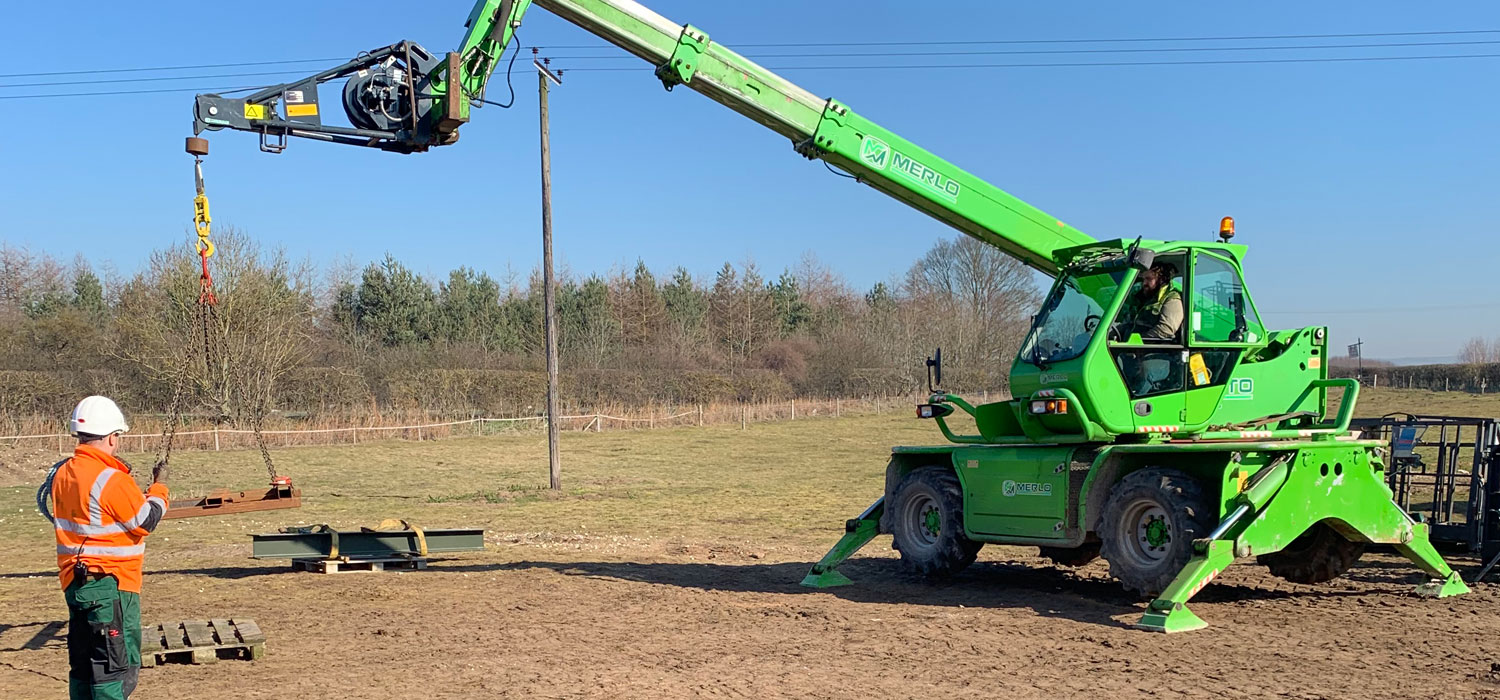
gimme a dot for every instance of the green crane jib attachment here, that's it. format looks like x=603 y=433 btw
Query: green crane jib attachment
x=400 y=98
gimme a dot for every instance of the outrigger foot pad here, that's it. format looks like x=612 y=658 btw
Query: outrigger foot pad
x=1443 y=587
x=1176 y=618
x=829 y=578
x=857 y=533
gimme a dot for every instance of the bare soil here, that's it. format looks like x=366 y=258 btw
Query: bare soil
x=668 y=568
x=574 y=618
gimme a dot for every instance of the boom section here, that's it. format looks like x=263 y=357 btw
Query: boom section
x=818 y=128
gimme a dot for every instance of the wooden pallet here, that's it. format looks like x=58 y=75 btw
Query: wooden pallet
x=201 y=642
x=352 y=564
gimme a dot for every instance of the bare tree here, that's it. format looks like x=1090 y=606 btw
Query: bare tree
x=228 y=357
x=1476 y=351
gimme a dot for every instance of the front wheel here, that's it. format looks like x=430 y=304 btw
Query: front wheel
x=928 y=527
x=1148 y=525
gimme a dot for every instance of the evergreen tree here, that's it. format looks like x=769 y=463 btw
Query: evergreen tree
x=394 y=305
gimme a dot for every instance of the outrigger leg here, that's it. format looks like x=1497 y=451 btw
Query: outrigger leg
x=857 y=533
x=1282 y=502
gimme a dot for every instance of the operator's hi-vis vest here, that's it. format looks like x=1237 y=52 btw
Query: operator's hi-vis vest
x=98 y=516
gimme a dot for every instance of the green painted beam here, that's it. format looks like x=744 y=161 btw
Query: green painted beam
x=818 y=127
x=362 y=543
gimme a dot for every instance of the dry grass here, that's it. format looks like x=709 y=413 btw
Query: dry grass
x=774 y=486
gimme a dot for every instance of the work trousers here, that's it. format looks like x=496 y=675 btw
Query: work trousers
x=104 y=639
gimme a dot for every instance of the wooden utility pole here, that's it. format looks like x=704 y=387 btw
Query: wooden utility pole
x=549 y=284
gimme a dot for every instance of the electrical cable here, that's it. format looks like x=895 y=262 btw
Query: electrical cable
x=149 y=80
x=890 y=54
x=1079 y=41
x=515 y=40
x=835 y=172
x=1104 y=64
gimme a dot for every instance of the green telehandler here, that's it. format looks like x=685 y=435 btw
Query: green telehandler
x=1156 y=421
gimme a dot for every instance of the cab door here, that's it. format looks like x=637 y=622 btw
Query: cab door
x=1222 y=324
x=1154 y=371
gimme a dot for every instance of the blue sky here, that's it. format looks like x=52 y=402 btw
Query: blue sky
x=1364 y=190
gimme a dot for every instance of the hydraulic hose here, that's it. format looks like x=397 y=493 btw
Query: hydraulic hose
x=44 y=492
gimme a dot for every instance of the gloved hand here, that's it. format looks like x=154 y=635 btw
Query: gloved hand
x=159 y=473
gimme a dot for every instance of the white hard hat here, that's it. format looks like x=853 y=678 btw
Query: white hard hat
x=98 y=416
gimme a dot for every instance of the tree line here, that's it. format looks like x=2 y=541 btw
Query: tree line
x=286 y=336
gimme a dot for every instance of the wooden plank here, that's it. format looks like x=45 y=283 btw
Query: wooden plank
x=224 y=632
x=171 y=633
x=151 y=638
x=248 y=631
x=348 y=565
x=198 y=633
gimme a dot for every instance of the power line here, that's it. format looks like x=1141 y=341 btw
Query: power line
x=885 y=54
x=157 y=68
x=148 y=80
x=1387 y=309
x=1081 y=41
x=956 y=66
x=243 y=64
x=1104 y=64
x=132 y=92
x=756 y=56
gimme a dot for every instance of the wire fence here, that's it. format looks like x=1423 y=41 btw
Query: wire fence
x=218 y=437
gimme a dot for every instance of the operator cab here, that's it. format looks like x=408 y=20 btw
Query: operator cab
x=1172 y=318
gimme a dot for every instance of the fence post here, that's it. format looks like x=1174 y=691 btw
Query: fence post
x=836 y=407
x=598 y=423
x=356 y=434
x=744 y=417
x=216 y=438
x=794 y=409
x=700 y=415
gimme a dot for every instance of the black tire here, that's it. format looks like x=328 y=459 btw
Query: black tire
x=928 y=524
x=1072 y=556
x=1317 y=556
x=1148 y=525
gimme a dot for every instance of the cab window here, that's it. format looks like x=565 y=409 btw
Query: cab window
x=1221 y=312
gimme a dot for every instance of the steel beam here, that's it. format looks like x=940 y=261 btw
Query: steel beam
x=224 y=502
x=362 y=543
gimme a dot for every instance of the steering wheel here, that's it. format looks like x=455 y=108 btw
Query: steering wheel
x=1091 y=322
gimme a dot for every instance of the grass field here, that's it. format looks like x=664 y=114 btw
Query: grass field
x=640 y=510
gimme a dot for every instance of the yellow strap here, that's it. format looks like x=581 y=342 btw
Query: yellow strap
x=394 y=524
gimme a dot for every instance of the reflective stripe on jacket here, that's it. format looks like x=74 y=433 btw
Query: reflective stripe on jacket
x=101 y=519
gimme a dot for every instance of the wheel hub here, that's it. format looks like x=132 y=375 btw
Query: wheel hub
x=1149 y=539
x=932 y=521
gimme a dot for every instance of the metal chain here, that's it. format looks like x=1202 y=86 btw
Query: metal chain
x=214 y=357
x=174 y=415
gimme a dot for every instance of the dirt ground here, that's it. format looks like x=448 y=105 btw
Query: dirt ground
x=669 y=569
x=576 y=619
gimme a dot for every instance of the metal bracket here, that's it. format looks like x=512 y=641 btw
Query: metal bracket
x=683 y=62
x=269 y=146
x=830 y=125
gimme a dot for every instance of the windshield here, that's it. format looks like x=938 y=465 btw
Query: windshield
x=1070 y=315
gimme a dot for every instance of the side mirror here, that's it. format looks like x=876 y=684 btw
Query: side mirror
x=1142 y=259
x=935 y=371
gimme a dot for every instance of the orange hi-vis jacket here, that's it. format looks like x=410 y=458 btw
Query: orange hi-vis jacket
x=102 y=519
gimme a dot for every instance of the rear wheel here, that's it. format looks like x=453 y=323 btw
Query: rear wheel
x=929 y=525
x=1148 y=525
x=1319 y=555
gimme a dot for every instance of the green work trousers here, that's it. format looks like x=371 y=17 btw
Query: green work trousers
x=104 y=639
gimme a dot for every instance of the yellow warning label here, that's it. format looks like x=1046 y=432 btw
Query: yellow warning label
x=307 y=110
x=255 y=111
x=1314 y=362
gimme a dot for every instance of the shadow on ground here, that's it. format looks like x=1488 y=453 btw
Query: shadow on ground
x=1048 y=591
